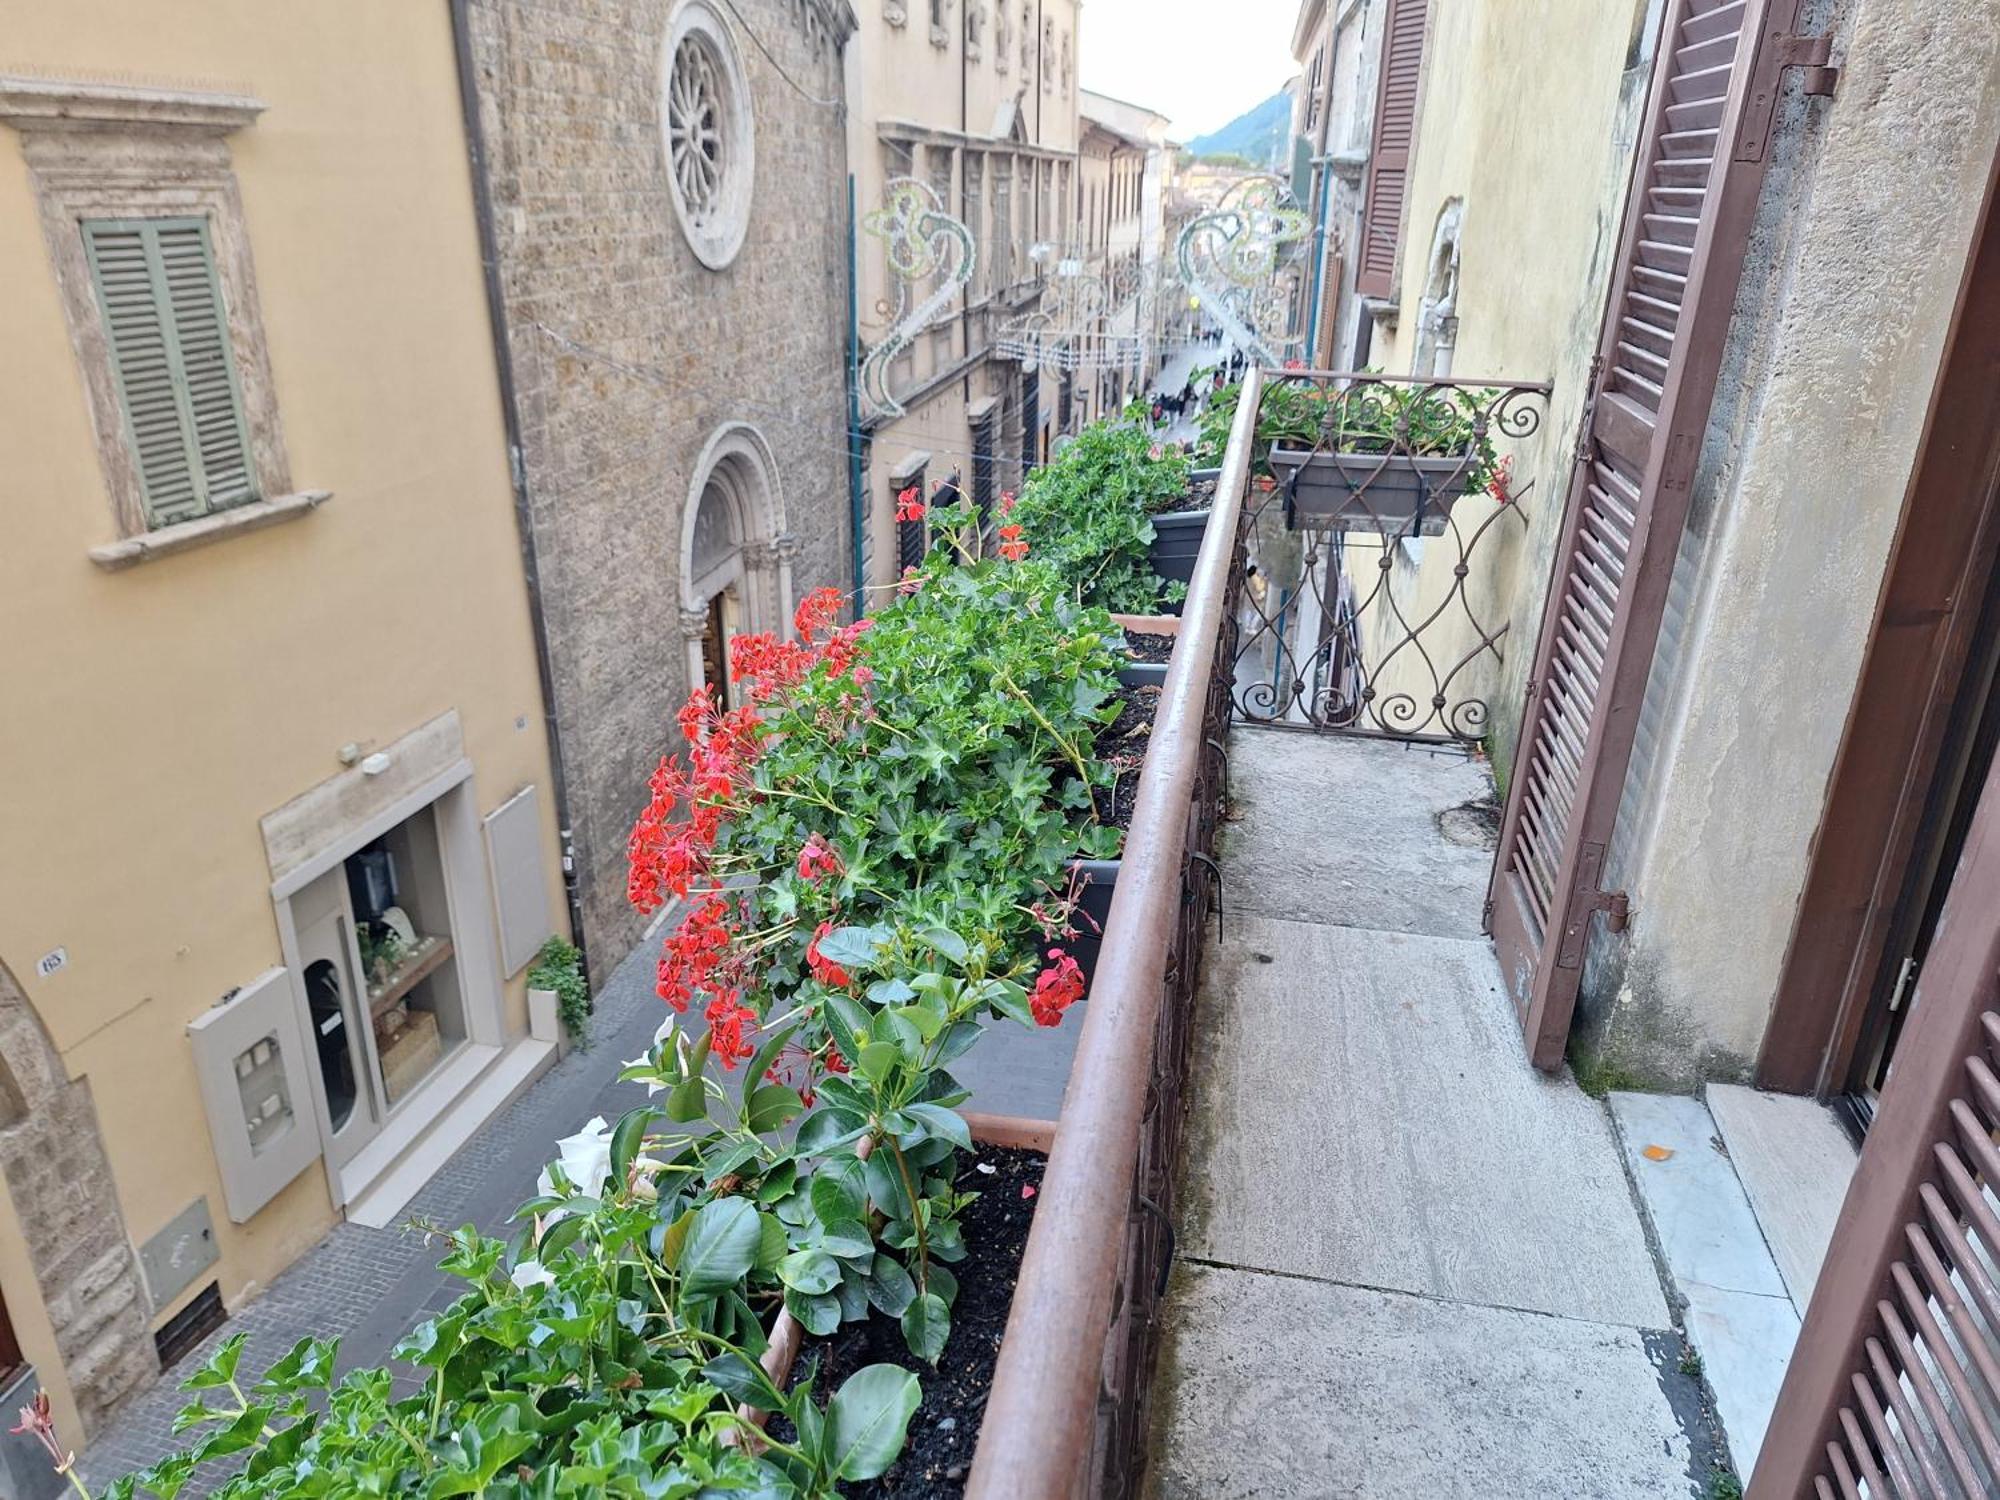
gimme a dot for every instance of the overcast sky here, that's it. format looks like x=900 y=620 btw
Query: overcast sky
x=1202 y=62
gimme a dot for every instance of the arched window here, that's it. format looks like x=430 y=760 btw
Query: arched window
x=709 y=136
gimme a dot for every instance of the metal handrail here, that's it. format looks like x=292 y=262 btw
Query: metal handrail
x=1041 y=1416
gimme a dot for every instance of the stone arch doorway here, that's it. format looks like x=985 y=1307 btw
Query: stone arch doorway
x=79 y=1305
x=736 y=554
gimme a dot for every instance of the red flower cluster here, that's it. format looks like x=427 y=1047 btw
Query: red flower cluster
x=1011 y=546
x=772 y=666
x=816 y=860
x=825 y=970
x=727 y=1019
x=1057 y=988
x=695 y=953
x=912 y=580
x=910 y=505
x=692 y=799
x=1006 y=502
x=1501 y=484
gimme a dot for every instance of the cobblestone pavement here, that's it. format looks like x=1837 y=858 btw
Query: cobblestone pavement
x=371 y=1286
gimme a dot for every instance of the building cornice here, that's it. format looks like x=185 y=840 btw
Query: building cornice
x=70 y=104
x=911 y=133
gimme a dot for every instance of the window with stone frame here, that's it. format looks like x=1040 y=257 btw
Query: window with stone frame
x=145 y=231
x=942 y=330
x=975 y=219
x=899 y=161
x=1003 y=221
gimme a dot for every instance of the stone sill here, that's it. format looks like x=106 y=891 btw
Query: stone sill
x=130 y=551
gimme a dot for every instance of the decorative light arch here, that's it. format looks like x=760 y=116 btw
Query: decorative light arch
x=736 y=552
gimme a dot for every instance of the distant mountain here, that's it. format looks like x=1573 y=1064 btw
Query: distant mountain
x=1259 y=135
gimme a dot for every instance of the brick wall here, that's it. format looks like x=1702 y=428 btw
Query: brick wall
x=629 y=354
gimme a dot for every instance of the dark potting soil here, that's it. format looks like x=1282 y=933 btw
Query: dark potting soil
x=1143 y=645
x=938 y=1454
x=1121 y=744
x=1200 y=495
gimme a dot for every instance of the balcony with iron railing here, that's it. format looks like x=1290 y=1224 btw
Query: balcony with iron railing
x=1311 y=1220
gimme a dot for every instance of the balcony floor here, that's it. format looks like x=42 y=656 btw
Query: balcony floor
x=1409 y=1265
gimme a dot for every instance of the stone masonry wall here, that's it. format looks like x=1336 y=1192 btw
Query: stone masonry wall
x=629 y=354
x=60 y=1183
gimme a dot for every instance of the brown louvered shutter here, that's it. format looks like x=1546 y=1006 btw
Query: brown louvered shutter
x=1389 y=148
x=1894 y=1380
x=1696 y=175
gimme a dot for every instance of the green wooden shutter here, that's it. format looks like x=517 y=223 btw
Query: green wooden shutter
x=169 y=336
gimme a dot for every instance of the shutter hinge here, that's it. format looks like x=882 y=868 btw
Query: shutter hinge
x=1617 y=909
x=1813 y=55
x=1587 y=898
x=1582 y=451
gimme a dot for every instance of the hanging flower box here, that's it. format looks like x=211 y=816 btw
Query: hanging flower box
x=1395 y=494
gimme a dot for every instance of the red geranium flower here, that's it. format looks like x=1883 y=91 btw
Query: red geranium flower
x=1011 y=546
x=727 y=1019
x=1057 y=988
x=816 y=860
x=910 y=505
x=825 y=970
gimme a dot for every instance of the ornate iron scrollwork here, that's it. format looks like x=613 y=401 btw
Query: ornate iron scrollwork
x=921 y=238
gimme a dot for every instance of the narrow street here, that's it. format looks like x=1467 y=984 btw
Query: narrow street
x=1399 y=1245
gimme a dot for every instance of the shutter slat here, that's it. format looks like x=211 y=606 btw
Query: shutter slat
x=1608 y=592
x=161 y=303
x=1389 y=152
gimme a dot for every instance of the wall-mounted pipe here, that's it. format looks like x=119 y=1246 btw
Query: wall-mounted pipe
x=517 y=468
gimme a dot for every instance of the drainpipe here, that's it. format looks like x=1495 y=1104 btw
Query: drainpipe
x=1321 y=169
x=856 y=518
x=510 y=416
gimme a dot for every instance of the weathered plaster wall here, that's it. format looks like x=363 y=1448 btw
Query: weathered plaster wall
x=1540 y=172
x=155 y=715
x=1859 y=251
x=630 y=353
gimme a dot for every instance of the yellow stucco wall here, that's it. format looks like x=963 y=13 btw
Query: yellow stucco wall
x=1541 y=173
x=153 y=716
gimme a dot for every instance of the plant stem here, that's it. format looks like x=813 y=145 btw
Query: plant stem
x=916 y=1213
x=1074 y=756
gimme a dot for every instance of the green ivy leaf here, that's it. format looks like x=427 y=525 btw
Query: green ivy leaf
x=868 y=1420
x=721 y=1247
x=809 y=1271
x=889 y=1287
x=947 y=1124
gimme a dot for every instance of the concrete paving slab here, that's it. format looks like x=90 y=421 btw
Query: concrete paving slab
x=1701 y=1216
x=1348 y=831
x=1361 y=1111
x=1272 y=1386
x=1745 y=1342
x=1795 y=1162
x=1020 y=1070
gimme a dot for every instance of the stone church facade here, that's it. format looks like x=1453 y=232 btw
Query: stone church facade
x=668 y=195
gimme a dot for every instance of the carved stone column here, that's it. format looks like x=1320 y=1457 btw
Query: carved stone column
x=788 y=548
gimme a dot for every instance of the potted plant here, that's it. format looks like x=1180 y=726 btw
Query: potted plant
x=1094 y=511
x=558 y=994
x=1376 y=456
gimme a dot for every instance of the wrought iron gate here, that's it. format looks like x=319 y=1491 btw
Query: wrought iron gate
x=1696 y=175
x=1364 y=612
